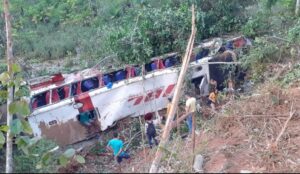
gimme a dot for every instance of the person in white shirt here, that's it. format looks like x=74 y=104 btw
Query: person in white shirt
x=190 y=108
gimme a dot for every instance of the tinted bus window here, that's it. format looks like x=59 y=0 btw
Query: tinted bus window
x=89 y=84
x=40 y=100
x=60 y=93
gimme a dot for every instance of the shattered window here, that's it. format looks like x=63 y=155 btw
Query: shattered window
x=60 y=93
x=40 y=100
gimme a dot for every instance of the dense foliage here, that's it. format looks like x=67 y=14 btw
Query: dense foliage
x=133 y=30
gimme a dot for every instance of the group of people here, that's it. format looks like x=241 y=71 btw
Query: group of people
x=213 y=92
x=116 y=145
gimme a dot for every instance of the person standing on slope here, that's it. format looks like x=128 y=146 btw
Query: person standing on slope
x=190 y=108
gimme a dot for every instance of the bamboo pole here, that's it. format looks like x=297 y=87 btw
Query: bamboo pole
x=10 y=61
x=177 y=120
x=155 y=163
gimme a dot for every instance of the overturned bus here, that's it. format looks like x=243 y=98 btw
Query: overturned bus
x=72 y=107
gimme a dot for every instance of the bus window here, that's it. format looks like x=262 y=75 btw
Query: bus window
x=55 y=96
x=159 y=64
x=202 y=53
x=148 y=67
x=120 y=75
x=130 y=72
x=106 y=79
x=169 y=62
x=153 y=66
x=60 y=93
x=75 y=89
x=89 y=84
x=40 y=100
x=63 y=92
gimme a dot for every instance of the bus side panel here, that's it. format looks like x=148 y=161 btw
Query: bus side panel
x=135 y=99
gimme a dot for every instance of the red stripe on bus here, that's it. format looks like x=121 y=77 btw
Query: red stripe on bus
x=168 y=90
x=138 y=100
x=149 y=96
x=158 y=92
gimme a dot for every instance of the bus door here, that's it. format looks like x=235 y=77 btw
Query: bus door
x=88 y=115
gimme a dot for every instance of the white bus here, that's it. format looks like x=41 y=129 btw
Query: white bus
x=72 y=107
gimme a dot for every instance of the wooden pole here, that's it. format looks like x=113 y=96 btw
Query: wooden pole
x=10 y=61
x=155 y=163
x=177 y=120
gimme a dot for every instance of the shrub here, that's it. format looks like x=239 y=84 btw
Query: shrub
x=262 y=53
x=291 y=76
x=28 y=163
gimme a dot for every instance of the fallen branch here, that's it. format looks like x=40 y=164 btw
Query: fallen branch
x=131 y=139
x=274 y=145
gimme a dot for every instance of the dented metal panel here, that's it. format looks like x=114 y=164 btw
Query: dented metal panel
x=60 y=124
x=136 y=98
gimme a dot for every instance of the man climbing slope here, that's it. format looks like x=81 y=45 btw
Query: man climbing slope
x=116 y=145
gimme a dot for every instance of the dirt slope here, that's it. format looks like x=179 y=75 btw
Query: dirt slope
x=238 y=138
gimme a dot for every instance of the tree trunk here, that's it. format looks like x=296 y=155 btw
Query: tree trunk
x=158 y=155
x=9 y=54
x=297 y=8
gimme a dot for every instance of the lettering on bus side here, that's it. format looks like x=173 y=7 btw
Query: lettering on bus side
x=152 y=94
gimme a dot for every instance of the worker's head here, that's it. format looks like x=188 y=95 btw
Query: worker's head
x=170 y=99
x=116 y=135
x=148 y=116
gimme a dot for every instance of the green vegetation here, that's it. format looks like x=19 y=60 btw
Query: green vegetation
x=133 y=30
x=292 y=76
x=30 y=163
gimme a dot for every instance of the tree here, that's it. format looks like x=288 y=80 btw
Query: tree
x=10 y=61
x=297 y=7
